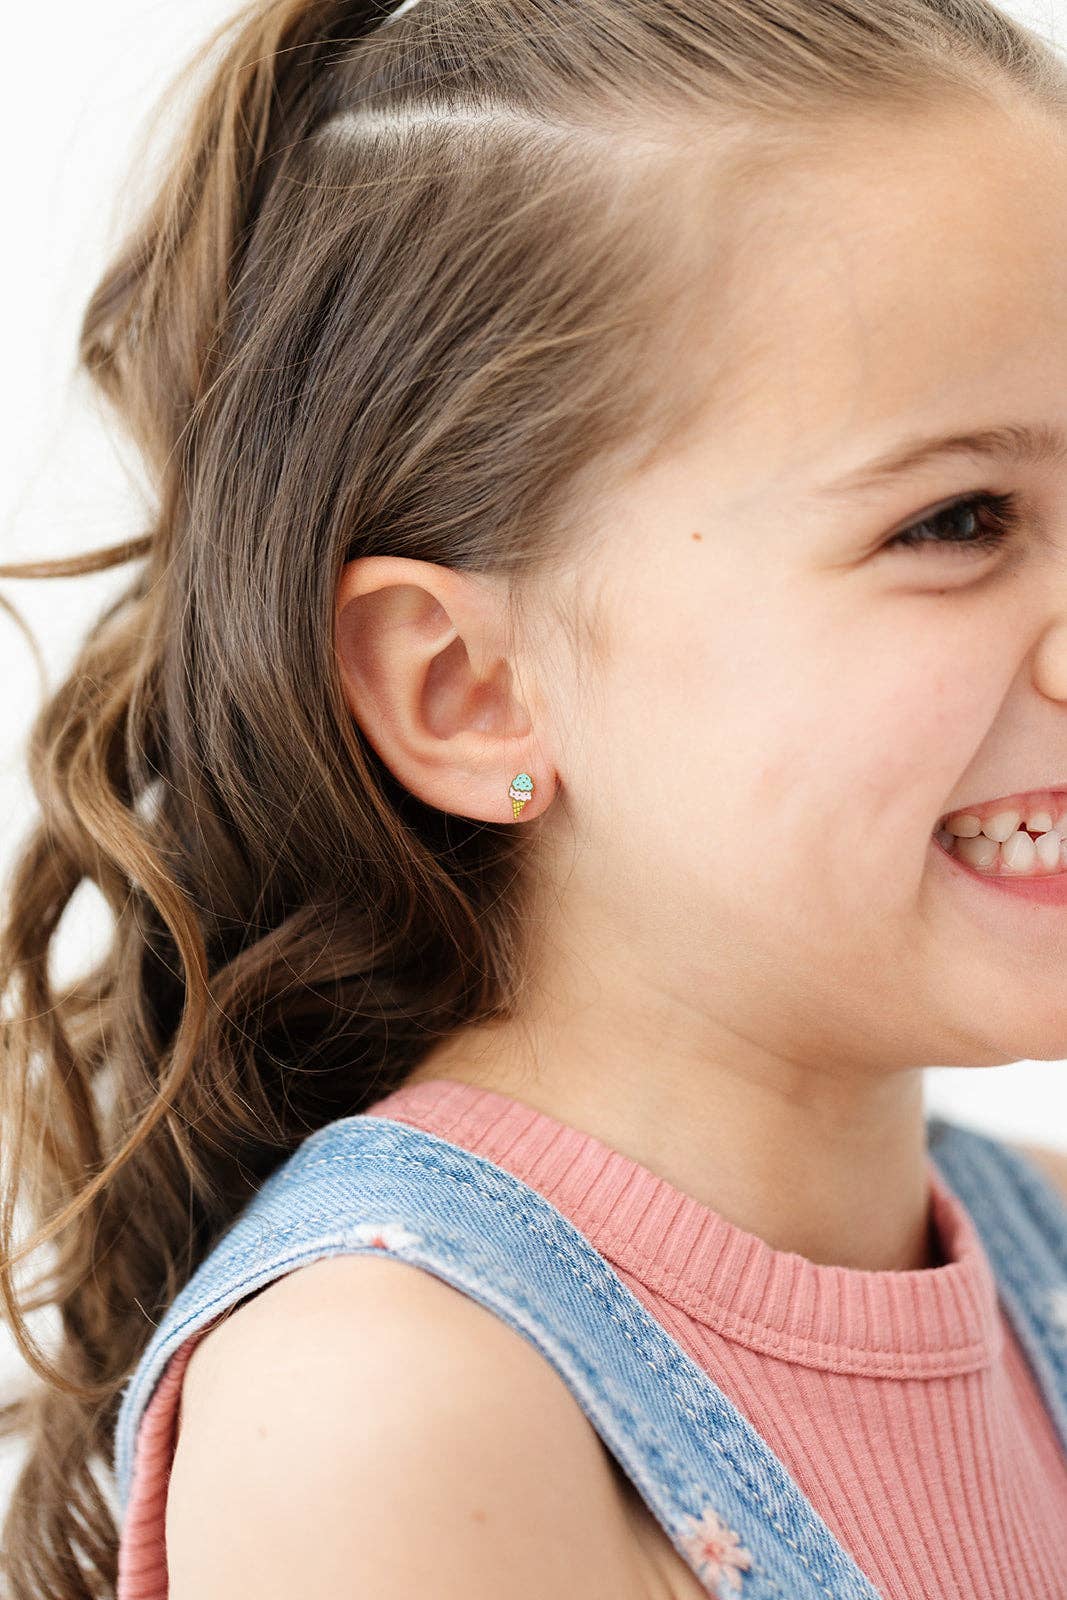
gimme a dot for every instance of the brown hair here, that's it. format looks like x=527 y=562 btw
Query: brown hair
x=401 y=290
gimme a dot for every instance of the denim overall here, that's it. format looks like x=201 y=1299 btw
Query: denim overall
x=730 y=1507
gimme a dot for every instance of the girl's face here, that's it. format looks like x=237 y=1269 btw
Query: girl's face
x=791 y=703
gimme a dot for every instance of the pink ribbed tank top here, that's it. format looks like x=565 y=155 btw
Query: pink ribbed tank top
x=901 y=1402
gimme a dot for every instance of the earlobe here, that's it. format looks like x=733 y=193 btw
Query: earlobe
x=420 y=651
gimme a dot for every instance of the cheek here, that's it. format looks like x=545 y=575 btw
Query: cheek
x=864 y=766
x=827 y=780
x=783 y=733
x=927 y=723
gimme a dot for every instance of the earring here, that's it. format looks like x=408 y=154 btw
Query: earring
x=520 y=791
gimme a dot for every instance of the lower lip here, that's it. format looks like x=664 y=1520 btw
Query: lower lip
x=1050 y=890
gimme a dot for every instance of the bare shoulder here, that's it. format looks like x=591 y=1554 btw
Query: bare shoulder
x=360 y=1426
x=1053 y=1163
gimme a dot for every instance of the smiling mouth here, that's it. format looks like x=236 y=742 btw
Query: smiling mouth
x=1022 y=835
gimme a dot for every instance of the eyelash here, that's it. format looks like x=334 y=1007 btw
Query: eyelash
x=1005 y=517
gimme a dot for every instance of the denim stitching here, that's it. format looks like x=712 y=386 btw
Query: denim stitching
x=271 y=1234
x=1030 y=1188
x=622 y=1316
x=661 y=1455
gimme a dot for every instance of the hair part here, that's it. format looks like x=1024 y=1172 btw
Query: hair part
x=416 y=285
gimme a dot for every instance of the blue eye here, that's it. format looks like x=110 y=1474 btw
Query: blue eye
x=977 y=522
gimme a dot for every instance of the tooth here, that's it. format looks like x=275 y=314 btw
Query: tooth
x=980 y=852
x=1002 y=826
x=1018 y=854
x=1061 y=825
x=1048 y=850
x=1039 y=822
x=947 y=840
x=964 y=825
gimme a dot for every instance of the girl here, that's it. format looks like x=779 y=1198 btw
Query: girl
x=587 y=724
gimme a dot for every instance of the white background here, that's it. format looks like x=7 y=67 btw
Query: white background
x=81 y=79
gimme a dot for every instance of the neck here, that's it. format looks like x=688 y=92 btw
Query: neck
x=829 y=1165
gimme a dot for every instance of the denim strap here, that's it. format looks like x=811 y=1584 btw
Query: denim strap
x=728 y=1504
x=1021 y=1219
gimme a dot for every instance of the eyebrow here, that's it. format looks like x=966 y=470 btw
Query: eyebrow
x=1040 y=445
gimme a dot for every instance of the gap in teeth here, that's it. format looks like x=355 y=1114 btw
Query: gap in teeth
x=1000 y=825
x=1019 y=853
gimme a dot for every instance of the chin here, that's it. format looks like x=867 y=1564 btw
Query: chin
x=1022 y=1042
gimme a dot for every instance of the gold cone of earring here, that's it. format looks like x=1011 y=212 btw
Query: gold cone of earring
x=520 y=791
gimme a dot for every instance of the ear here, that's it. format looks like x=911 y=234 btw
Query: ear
x=421 y=650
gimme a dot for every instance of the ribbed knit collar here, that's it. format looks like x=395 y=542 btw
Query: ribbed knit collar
x=930 y=1322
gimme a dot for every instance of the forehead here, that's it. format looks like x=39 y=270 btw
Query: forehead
x=910 y=270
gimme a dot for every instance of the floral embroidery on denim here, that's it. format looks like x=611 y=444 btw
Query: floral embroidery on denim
x=714 y=1548
x=386 y=1235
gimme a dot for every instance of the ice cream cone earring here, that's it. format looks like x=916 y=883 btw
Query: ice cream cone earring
x=520 y=791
